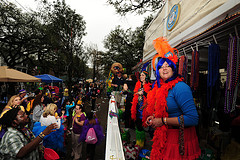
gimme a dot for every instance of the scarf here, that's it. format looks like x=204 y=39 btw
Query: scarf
x=146 y=88
x=157 y=106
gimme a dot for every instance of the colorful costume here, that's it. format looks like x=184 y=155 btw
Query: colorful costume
x=172 y=98
x=138 y=104
x=54 y=140
x=118 y=80
x=109 y=83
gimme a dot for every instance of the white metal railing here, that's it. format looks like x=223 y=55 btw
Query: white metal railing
x=114 y=148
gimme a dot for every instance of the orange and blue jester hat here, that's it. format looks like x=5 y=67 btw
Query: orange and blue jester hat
x=166 y=53
x=164 y=50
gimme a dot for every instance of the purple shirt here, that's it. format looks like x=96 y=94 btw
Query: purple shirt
x=77 y=129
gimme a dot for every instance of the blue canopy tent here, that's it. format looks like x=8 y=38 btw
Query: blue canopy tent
x=49 y=78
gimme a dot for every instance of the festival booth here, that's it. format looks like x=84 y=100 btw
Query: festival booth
x=46 y=78
x=49 y=78
x=114 y=147
x=12 y=75
x=206 y=35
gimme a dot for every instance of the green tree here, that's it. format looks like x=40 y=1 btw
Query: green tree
x=65 y=30
x=21 y=35
x=95 y=58
x=123 y=7
x=80 y=68
x=125 y=46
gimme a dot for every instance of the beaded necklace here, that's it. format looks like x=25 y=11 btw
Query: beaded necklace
x=28 y=133
x=30 y=136
x=194 y=70
x=232 y=74
x=237 y=75
x=180 y=67
x=183 y=69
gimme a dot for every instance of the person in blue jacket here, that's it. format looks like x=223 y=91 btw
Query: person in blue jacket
x=67 y=106
x=171 y=110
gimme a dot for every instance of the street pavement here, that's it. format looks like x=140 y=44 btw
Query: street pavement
x=102 y=112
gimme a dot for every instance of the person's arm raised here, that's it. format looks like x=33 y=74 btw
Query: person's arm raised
x=35 y=142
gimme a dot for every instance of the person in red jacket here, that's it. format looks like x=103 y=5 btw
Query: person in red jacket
x=142 y=87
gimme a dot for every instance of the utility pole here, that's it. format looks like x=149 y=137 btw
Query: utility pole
x=94 y=64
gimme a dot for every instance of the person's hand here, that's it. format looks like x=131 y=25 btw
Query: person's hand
x=125 y=87
x=14 y=106
x=149 y=120
x=51 y=128
x=140 y=93
x=157 y=122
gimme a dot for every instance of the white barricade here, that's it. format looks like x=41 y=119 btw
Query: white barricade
x=114 y=148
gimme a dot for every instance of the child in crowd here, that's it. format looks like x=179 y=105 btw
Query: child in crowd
x=67 y=106
x=79 y=99
x=91 y=122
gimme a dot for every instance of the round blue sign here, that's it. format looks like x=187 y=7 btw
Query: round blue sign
x=173 y=17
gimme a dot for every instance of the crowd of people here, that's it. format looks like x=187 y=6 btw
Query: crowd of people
x=165 y=106
x=32 y=124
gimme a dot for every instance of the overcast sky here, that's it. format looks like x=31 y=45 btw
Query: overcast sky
x=100 y=18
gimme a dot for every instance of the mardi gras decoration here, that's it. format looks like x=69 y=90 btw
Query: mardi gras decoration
x=164 y=50
x=116 y=67
x=109 y=82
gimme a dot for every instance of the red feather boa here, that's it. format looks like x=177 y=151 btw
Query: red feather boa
x=157 y=106
x=146 y=88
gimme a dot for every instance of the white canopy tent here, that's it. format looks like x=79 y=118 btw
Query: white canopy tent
x=195 y=17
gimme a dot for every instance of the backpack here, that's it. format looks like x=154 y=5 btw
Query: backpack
x=91 y=137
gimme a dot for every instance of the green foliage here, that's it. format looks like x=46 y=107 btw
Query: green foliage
x=21 y=35
x=121 y=48
x=65 y=31
x=50 y=38
x=125 y=46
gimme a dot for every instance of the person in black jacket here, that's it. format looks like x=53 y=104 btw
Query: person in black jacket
x=128 y=89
